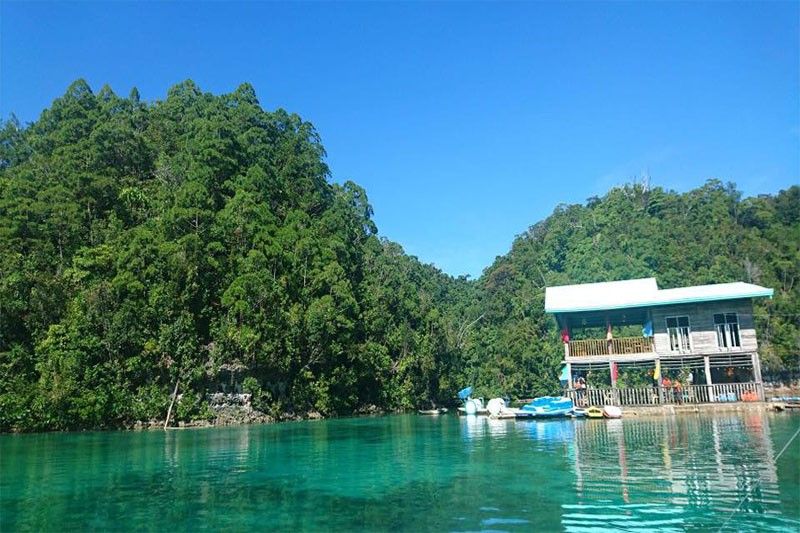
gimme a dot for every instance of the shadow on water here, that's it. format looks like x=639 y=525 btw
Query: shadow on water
x=411 y=473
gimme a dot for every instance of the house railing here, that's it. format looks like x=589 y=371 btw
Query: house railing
x=619 y=345
x=692 y=394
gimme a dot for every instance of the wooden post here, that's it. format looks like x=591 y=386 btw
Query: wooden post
x=757 y=376
x=569 y=375
x=169 y=411
x=660 y=397
x=707 y=364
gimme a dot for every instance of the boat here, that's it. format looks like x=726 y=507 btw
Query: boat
x=479 y=412
x=579 y=412
x=496 y=406
x=472 y=406
x=612 y=411
x=550 y=407
x=464 y=394
x=440 y=411
x=594 y=412
x=512 y=413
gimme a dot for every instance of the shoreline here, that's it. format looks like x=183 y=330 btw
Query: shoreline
x=258 y=418
x=249 y=417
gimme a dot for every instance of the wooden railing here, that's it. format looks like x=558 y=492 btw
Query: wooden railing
x=692 y=394
x=620 y=345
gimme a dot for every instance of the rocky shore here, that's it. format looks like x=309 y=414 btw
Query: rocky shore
x=233 y=409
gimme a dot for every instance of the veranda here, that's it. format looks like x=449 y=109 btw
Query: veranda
x=689 y=380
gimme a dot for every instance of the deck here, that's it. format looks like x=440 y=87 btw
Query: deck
x=691 y=394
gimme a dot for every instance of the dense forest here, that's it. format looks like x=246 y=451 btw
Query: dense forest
x=144 y=245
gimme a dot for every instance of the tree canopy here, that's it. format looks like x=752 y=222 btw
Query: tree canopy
x=142 y=243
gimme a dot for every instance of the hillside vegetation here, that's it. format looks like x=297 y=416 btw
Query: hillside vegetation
x=145 y=244
x=707 y=235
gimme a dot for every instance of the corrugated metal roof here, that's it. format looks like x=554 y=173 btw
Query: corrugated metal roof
x=641 y=293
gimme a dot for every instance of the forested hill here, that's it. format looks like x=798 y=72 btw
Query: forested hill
x=144 y=245
x=707 y=235
x=190 y=238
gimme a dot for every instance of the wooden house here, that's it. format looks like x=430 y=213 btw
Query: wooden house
x=689 y=344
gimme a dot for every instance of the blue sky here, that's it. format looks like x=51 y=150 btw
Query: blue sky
x=466 y=123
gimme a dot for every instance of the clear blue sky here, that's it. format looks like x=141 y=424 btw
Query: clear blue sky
x=466 y=123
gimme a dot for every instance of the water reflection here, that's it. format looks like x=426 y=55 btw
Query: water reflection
x=477 y=428
x=662 y=473
x=545 y=433
x=411 y=473
x=549 y=433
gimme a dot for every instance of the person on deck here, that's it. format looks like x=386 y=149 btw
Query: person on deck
x=580 y=390
x=677 y=387
x=666 y=385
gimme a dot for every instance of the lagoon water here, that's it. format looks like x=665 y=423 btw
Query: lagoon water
x=411 y=473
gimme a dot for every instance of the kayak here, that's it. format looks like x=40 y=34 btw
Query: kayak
x=612 y=411
x=594 y=412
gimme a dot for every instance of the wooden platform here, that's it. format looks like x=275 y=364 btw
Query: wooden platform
x=510 y=413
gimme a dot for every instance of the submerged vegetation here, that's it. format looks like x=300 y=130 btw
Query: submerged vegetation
x=146 y=244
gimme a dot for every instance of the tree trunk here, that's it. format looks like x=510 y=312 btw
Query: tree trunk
x=171 y=404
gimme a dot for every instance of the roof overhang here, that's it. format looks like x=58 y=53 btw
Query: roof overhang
x=637 y=293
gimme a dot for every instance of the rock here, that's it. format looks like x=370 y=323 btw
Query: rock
x=227 y=415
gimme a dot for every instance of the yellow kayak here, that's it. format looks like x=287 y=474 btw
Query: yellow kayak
x=594 y=412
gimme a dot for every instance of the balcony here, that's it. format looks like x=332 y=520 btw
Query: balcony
x=617 y=346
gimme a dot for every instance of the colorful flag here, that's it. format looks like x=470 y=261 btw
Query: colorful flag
x=657 y=371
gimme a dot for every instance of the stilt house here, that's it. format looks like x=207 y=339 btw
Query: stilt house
x=631 y=343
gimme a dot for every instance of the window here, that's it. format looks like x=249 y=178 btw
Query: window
x=678 y=331
x=727 y=327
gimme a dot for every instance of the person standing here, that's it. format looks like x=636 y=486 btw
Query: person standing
x=666 y=386
x=580 y=389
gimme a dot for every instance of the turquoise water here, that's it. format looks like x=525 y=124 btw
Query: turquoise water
x=411 y=473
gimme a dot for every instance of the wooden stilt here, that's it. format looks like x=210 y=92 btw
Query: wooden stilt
x=757 y=376
x=707 y=368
